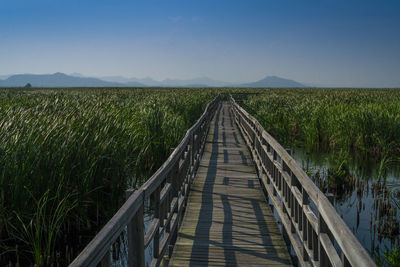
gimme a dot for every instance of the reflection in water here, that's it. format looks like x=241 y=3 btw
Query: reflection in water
x=362 y=197
x=119 y=250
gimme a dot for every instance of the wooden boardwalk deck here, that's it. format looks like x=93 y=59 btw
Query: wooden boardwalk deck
x=227 y=221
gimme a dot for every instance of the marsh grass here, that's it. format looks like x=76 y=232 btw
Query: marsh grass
x=67 y=155
x=360 y=121
x=351 y=125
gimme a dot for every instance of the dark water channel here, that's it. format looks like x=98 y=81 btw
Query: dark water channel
x=367 y=204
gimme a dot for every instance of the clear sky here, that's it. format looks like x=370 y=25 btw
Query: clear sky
x=324 y=42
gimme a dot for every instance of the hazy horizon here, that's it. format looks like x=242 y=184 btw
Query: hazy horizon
x=325 y=43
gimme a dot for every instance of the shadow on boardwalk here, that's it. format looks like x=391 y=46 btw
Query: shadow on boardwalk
x=227 y=221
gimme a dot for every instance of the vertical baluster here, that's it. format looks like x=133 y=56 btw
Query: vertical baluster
x=168 y=206
x=309 y=235
x=292 y=212
x=156 y=241
x=287 y=196
x=136 y=236
x=162 y=214
x=315 y=241
x=191 y=146
x=304 y=224
x=268 y=166
x=196 y=145
x=188 y=173
x=175 y=193
x=323 y=228
x=345 y=261
x=280 y=183
x=292 y=202
x=283 y=185
x=106 y=261
x=330 y=197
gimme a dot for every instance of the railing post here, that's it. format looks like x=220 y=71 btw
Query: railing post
x=135 y=236
x=106 y=261
x=156 y=241
x=196 y=148
x=304 y=223
x=184 y=181
x=323 y=228
x=292 y=202
x=175 y=193
x=191 y=143
x=345 y=261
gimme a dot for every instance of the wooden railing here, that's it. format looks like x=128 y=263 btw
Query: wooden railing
x=168 y=190
x=310 y=223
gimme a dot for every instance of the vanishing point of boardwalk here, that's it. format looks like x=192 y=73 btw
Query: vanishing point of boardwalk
x=227 y=220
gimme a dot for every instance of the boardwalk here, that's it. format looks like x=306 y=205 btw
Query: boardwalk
x=227 y=221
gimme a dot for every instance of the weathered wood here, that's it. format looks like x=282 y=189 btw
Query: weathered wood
x=155 y=225
x=227 y=221
x=131 y=213
x=159 y=176
x=165 y=191
x=285 y=220
x=330 y=251
x=273 y=160
x=156 y=240
x=135 y=236
x=106 y=261
x=94 y=252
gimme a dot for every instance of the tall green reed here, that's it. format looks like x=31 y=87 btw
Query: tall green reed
x=67 y=155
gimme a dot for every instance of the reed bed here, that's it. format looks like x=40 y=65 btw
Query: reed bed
x=67 y=155
x=361 y=121
x=352 y=126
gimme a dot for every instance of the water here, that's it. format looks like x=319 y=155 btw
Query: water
x=357 y=203
x=119 y=250
x=361 y=200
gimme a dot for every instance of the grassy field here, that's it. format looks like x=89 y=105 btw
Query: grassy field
x=352 y=126
x=359 y=121
x=67 y=155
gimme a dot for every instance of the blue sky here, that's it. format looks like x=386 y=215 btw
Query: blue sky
x=330 y=43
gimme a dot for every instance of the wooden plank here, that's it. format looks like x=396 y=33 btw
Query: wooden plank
x=353 y=251
x=164 y=192
x=312 y=219
x=155 y=225
x=331 y=252
x=136 y=236
x=94 y=252
x=159 y=176
x=227 y=220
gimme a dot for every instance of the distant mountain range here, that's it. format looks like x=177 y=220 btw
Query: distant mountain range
x=77 y=80
x=196 y=82
x=273 y=82
x=58 y=80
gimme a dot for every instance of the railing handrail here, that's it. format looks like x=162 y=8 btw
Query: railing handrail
x=155 y=180
x=354 y=252
x=98 y=247
x=100 y=244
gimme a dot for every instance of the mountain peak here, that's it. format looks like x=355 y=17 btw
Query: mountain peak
x=60 y=74
x=273 y=82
